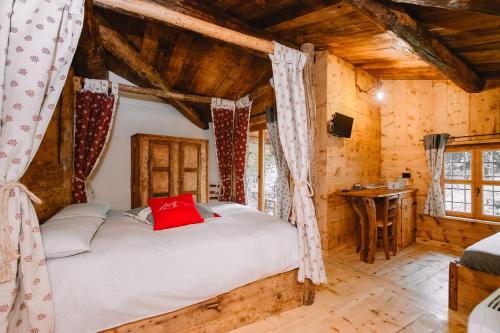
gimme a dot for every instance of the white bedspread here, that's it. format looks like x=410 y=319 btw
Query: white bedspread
x=134 y=272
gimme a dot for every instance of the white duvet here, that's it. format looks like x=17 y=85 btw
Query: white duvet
x=133 y=272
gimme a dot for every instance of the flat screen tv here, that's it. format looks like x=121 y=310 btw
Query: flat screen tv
x=341 y=125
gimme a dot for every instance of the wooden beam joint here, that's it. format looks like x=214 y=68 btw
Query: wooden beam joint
x=421 y=42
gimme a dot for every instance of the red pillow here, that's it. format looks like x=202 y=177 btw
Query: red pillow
x=174 y=212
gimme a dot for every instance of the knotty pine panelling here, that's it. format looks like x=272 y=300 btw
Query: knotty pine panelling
x=343 y=162
x=414 y=108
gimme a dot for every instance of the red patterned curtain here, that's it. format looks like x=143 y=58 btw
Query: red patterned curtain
x=231 y=124
x=222 y=118
x=94 y=112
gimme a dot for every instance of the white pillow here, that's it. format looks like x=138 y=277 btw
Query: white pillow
x=95 y=209
x=63 y=237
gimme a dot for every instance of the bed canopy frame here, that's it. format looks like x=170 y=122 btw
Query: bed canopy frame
x=256 y=300
x=172 y=94
x=281 y=292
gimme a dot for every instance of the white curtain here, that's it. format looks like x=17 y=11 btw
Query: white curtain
x=284 y=202
x=288 y=79
x=38 y=39
x=434 y=145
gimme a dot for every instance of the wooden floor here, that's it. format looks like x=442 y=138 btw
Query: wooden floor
x=408 y=293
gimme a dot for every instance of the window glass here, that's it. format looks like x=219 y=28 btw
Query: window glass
x=252 y=172
x=457 y=165
x=491 y=200
x=458 y=197
x=270 y=176
x=491 y=165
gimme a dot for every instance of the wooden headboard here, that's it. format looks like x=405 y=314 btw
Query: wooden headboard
x=49 y=174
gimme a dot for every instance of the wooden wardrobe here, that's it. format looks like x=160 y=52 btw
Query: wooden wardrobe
x=167 y=166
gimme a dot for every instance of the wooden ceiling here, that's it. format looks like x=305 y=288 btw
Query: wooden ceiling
x=473 y=36
x=196 y=64
x=339 y=28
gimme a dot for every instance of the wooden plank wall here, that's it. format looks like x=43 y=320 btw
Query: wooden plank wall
x=342 y=161
x=414 y=108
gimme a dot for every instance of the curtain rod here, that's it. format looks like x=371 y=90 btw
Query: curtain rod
x=200 y=99
x=469 y=136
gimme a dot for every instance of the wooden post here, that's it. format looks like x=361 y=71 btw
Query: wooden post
x=453 y=286
x=308 y=50
x=309 y=292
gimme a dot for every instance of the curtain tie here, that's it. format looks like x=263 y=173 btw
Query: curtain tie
x=8 y=251
x=223 y=187
x=301 y=183
x=310 y=193
x=79 y=179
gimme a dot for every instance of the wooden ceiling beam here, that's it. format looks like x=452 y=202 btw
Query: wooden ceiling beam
x=90 y=58
x=117 y=45
x=419 y=41
x=198 y=20
x=491 y=7
x=150 y=41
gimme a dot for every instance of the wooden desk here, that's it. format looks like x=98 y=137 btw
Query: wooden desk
x=365 y=203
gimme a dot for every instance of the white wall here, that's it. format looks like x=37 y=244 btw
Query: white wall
x=110 y=180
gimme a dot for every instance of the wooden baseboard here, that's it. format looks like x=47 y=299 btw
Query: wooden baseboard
x=239 y=307
x=458 y=249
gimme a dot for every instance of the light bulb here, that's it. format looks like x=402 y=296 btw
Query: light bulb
x=380 y=95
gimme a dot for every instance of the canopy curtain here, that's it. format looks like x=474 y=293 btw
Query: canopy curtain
x=93 y=120
x=293 y=118
x=434 y=145
x=231 y=125
x=38 y=40
x=284 y=203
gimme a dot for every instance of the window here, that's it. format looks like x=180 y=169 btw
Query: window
x=471 y=182
x=261 y=173
x=252 y=172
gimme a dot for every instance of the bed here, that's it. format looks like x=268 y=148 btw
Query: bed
x=476 y=275
x=240 y=267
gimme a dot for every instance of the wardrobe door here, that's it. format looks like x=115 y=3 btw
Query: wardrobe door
x=192 y=170
x=167 y=166
x=161 y=156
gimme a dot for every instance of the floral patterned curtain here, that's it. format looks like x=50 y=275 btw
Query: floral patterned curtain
x=284 y=203
x=93 y=120
x=240 y=138
x=434 y=145
x=293 y=117
x=231 y=124
x=38 y=40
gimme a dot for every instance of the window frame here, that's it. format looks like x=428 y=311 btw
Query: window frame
x=470 y=182
x=476 y=180
x=480 y=182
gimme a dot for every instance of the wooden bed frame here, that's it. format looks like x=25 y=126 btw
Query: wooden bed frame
x=236 y=308
x=239 y=307
x=468 y=287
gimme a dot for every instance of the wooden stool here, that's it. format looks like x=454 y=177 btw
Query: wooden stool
x=387 y=224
